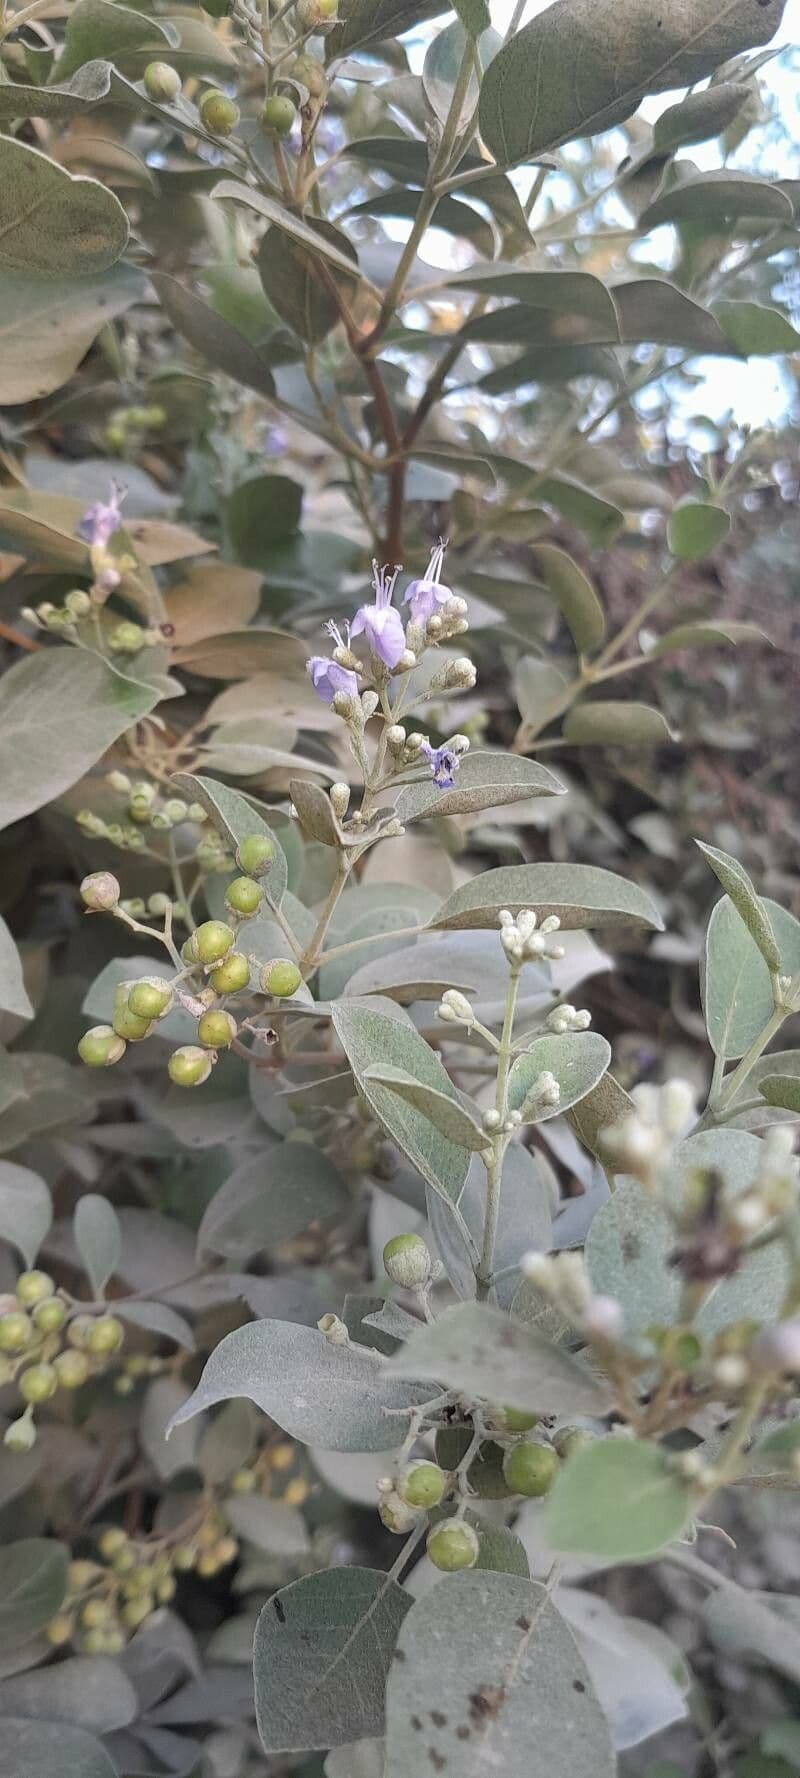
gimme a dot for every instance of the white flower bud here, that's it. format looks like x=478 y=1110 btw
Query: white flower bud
x=340 y=798
x=459 y=744
x=538 y=1268
x=461 y=674
x=778 y=1348
x=491 y=1121
x=677 y=1106
x=349 y=708
x=119 y=781
x=334 y=1330
x=513 y=1120
x=434 y=627
x=407 y=662
x=396 y=737
x=604 y=1320
x=560 y=1019
x=748 y=1214
x=551 y=924
x=369 y=704
x=459 y=1005
x=582 y=1020
x=732 y=1371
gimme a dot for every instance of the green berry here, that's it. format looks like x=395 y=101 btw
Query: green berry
x=572 y=1439
x=111 y=1541
x=162 y=82
x=100 y=891
x=79 y=1330
x=280 y=977
x=515 y=1420
x=530 y=1468
x=96 y=1614
x=176 y=810
x=101 y=1047
x=135 y=1611
x=216 y=1030
x=140 y=809
x=149 y=999
x=72 y=1369
x=105 y=1336
x=279 y=114
x=244 y=896
x=127 y=1024
x=6 y=1371
x=59 y=1630
x=189 y=951
x=233 y=974
x=20 y=1436
x=310 y=73
x=407 y=1261
x=38 y=1383
x=189 y=1066
x=184 y=1558
x=49 y=1315
x=453 y=1546
x=255 y=854
x=313 y=13
x=394 y=1513
x=78 y=603
x=243 y=1481
x=212 y=941
x=33 y=1287
x=15 y=1331
x=423 y=1484
x=126 y=638
x=218 y=113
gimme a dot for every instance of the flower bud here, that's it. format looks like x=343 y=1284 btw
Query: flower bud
x=254 y=854
x=279 y=112
x=775 y=1348
x=340 y=800
x=212 y=941
x=100 y=891
x=453 y=1546
x=407 y=1261
x=604 y=1320
x=126 y=638
x=162 y=82
x=20 y=1436
x=280 y=977
x=216 y=1030
x=218 y=113
x=455 y=1006
x=244 y=896
x=395 y=1514
x=334 y=1330
x=78 y=603
x=232 y=974
x=101 y=1047
x=189 y=1066
x=396 y=737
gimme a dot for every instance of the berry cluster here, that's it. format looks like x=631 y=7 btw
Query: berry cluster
x=44 y=1348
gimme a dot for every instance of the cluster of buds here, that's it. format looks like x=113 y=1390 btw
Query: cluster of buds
x=716 y=1227
x=455 y=1009
x=142 y=806
x=567 y=1018
x=524 y=940
x=563 y=1280
x=643 y=1143
x=42 y=1350
x=128 y=426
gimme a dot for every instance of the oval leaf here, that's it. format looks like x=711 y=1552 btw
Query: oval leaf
x=371 y=1039
x=578 y=1059
x=25 y=1209
x=618 y=1499
x=574 y=594
x=748 y=903
x=98 y=1238
x=582 y=895
x=323 y=1648
x=51 y=222
x=612 y=724
x=484 y=781
x=695 y=528
x=450 y=1117
x=477 y=1348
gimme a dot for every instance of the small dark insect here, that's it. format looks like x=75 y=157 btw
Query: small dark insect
x=279 y=1611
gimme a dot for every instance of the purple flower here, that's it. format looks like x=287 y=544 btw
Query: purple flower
x=444 y=764
x=380 y=623
x=426 y=595
x=100 y=521
x=327 y=677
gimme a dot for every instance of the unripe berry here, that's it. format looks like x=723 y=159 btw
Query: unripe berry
x=72 y=1369
x=80 y=1575
x=218 y=113
x=162 y=82
x=111 y=1541
x=313 y=13
x=184 y=1558
x=453 y=1546
x=423 y=1484
x=515 y=1420
x=279 y=113
x=101 y=1047
x=189 y=1066
x=59 y=1630
x=407 y=1261
x=216 y=1030
x=49 y=1315
x=105 y=1336
x=33 y=1287
x=310 y=73
x=530 y=1468
x=148 y=1000
x=6 y=1371
x=572 y=1439
x=233 y=974
x=212 y=941
x=15 y=1331
x=395 y=1514
x=244 y=895
x=126 y=638
x=128 y=1025
x=100 y=890
x=135 y=1611
x=79 y=1329
x=254 y=854
x=226 y=1551
x=20 y=1436
x=96 y=1613
x=166 y=1590
x=189 y=951
x=243 y=1482
x=38 y=1383
x=280 y=977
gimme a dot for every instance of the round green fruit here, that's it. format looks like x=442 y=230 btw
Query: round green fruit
x=255 y=853
x=453 y=1546
x=50 y=1315
x=233 y=974
x=105 y=1336
x=423 y=1484
x=212 y=941
x=530 y=1468
x=100 y=891
x=189 y=1066
x=72 y=1369
x=126 y=638
x=218 y=113
x=33 y=1287
x=128 y=1025
x=279 y=114
x=515 y=1420
x=162 y=82
x=15 y=1331
x=148 y=1000
x=244 y=896
x=407 y=1261
x=38 y=1383
x=101 y=1047
x=111 y=1541
x=216 y=1030
x=280 y=977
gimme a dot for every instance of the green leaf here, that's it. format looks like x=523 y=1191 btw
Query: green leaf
x=48 y=324
x=87 y=1692
x=451 y=215
x=103 y=28
x=474 y=15
x=500 y=1552
x=614 y=724
x=761 y=1627
x=476 y=1348
x=443 y=60
x=219 y=343
x=323 y=1649
x=607 y=1104
x=25 y=1209
x=59 y=711
x=14 y=997
x=291 y=279
x=570 y=297
x=618 y=1499
x=271 y=1198
x=735 y=984
x=50 y=221
x=578 y=1059
x=316 y=814
x=450 y=1117
x=695 y=528
x=228 y=1443
x=755 y=330
x=270 y=1525
x=49 y=1749
x=490 y=1679
x=719 y=198
x=363 y=22
x=236 y=820
x=582 y=896
x=332 y=1396
x=34 y=1584
x=318 y=245
x=584 y=65
x=645 y=310
x=574 y=595
x=782 y=1090
x=705 y=635
x=699 y=117
x=736 y=883
x=484 y=781
x=371 y=1039
x=98 y=1238
x=261 y=512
